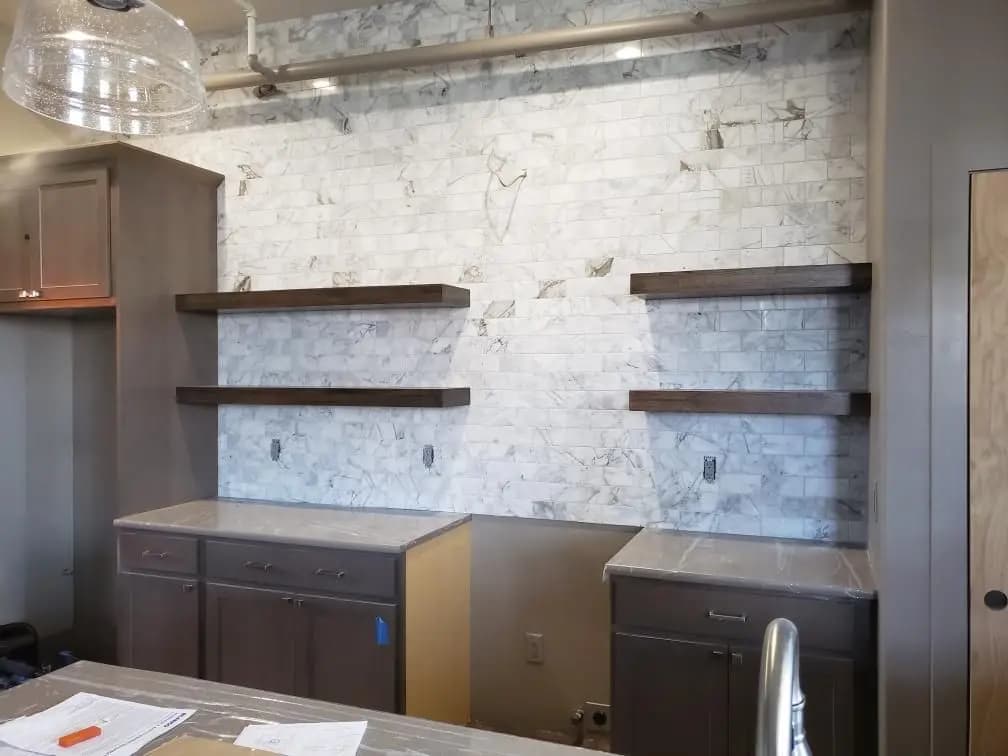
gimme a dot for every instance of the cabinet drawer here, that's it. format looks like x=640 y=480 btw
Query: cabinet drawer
x=157 y=552
x=358 y=573
x=697 y=610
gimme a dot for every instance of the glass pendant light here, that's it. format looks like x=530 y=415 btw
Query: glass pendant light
x=121 y=66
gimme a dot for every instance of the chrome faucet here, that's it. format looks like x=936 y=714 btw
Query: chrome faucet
x=780 y=723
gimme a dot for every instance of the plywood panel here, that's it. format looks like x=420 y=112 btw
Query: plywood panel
x=988 y=462
x=437 y=627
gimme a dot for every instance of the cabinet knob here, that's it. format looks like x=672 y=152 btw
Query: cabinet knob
x=188 y=588
x=23 y=294
x=718 y=654
x=736 y=659
x=288 y=600
x=148 y=554
x=299 y=603
x=35 y=294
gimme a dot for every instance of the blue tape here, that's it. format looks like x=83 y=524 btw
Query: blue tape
x=381 y=630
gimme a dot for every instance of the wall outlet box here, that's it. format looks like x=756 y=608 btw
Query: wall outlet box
x=597 y=718
x=534 y=651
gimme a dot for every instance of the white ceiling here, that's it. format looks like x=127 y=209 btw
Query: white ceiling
x=214 y=15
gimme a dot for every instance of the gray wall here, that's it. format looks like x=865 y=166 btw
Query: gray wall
x=531 y=576
x=36 y=474
x=941 y=75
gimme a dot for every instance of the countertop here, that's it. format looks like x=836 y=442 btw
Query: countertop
x=225 y=710
x=388 y=530
x=802 y=568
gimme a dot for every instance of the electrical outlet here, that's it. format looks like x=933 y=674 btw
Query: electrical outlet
x=428 y=456
x=710 y=469
x=275 y=449
x=534 y=650
x=597 y=718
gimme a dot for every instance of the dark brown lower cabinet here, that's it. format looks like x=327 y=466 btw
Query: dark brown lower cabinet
x=350 y=651
x=251 y=637
x=686 y=662
x=159 y=627
x=694 y=697
x=828 y=684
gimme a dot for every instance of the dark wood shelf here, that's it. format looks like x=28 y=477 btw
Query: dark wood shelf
x=338 y=298
x=744 y=282
x=328 y=397
x=831 y=403
x=78 y=308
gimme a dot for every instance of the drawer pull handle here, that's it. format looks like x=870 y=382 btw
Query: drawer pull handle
x=264 y=566
x=188 y=588
x=299 y=603
x=148 y=554
x=338 y=574
x=719 y=617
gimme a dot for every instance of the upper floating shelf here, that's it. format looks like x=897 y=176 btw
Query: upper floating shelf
x=824 y=403
x=77 y=308
x=323 y=396
x=338 y=298
x=847 y=278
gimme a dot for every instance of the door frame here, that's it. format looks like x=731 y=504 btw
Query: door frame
x=951 y=205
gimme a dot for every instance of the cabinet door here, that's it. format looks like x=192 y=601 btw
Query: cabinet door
x=670 y=697
x=73 y=251
x=18 y=240
x=350 y=652
x=828 y=684
x=159 y=624
x=250 y=637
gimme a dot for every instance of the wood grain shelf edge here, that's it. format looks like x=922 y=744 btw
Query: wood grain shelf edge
x=823 y=403
x=846 y=278
x=322 y=396
x=334 y=298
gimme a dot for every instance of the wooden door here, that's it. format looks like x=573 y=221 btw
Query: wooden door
x=18 y=240
x=988 y=464
x=159 y=624
x=251 y=637
x=828 y=683
x=350 y=652
x=670 y=697
x=72 y=260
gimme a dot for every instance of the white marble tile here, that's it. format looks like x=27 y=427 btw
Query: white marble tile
x=541 y=184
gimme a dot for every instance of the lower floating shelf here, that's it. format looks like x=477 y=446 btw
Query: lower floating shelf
x=328 y=397
x=826 y=403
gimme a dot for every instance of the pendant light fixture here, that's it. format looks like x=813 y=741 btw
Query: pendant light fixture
x=121 y=66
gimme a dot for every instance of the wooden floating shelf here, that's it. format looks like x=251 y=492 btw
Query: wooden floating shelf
x=825 y=403
x=745 y=282
x=80 y=308
x=338 y=298
x=328 y=397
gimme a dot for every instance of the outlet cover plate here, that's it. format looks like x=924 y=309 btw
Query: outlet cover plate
x=534 y=651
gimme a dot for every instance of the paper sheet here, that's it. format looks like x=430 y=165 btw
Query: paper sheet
x=330 y=738
x=126 y=726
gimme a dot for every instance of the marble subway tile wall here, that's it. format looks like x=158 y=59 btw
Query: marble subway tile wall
x=541 y=184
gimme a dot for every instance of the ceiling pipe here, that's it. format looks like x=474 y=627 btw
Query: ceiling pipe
x=714 y=19
x=268 y=75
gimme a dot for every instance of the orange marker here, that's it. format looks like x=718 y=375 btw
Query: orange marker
x=82 y=736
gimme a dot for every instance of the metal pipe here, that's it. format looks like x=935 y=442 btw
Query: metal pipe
x=714 y=19
x=780 y=724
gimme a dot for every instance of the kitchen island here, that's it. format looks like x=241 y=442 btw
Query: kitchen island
x=223 y=711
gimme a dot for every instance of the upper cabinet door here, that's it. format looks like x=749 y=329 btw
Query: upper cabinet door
x=18 y=241
x=72 y=256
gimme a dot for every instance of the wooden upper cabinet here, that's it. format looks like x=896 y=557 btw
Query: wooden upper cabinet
x=54 y=235
x=18 y=234
x=71 y=260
